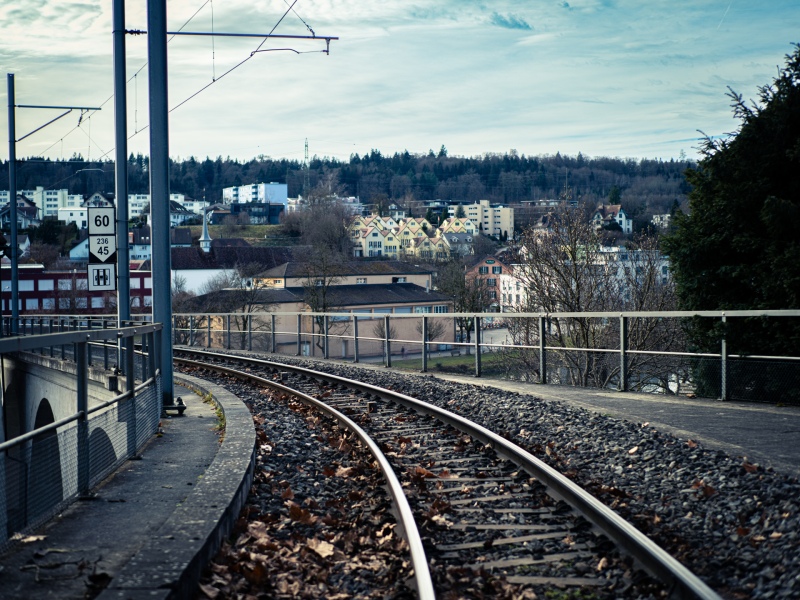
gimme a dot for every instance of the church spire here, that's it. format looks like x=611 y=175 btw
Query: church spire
x=205 y=239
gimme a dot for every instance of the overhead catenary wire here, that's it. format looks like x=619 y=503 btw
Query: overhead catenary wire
x=107 y=100
x=239 y=64
x=214 y=78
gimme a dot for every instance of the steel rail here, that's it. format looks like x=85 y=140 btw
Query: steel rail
x=422 y=576
x=646 y=552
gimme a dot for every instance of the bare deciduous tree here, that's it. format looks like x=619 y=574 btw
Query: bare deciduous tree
x=565 y=268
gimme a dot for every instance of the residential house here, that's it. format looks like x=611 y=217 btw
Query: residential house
x=491 y=270
x=355 y=272
x=373 y=289
x=661 y=221
x=458 y=244
x=425 y=248
x=609 y=214
x=457 y=225
x=27 y=214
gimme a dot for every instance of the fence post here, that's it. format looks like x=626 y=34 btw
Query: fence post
x=623 y=354
x=424 y=343
x=50 y=327
x=325 y=339
x=272 y=330
x=82 y=380
x=542 y=349
x=130 y=369
x=299 y=337
x=387 y=344
x=105 y=348
x=151 y=352
x=477 y=328
x=89 y=325
x=228 y=331
x=208 y=332
x=191 y=330
x=723 y=387
x=249 y=333
x=130 y=384
x=355 y=338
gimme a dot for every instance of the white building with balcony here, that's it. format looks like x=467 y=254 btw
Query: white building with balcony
x=273 y=193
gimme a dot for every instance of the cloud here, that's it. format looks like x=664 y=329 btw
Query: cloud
x=510 y=22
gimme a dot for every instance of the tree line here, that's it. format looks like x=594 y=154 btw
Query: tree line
x=402 y=176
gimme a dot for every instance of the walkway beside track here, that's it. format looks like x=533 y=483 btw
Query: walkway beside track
x=154 y=523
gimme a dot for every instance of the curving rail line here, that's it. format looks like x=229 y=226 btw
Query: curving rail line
x=678 y=579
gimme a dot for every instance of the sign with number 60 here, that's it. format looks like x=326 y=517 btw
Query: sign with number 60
x=102 y=220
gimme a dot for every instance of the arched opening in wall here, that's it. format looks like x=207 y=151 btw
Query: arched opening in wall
x=45 y=485
x=103 y=458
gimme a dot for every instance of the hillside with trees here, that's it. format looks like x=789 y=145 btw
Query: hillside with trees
x=643 y=186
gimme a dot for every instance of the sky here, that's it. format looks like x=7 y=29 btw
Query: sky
x=618 y=78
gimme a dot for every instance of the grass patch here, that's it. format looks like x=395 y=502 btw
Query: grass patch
x=219 y=427
x=465 y=363
x=256 y=235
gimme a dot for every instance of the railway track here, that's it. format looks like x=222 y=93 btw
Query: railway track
x=472 y=505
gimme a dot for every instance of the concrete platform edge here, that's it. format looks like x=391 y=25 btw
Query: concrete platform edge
x=169 y=566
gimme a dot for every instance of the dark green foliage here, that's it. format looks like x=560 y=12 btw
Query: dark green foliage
x=400 y=177
x=739 y=248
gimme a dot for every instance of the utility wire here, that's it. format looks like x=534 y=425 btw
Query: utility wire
x=236 y=66
x=213 y=81
x=301 y=18
x=132 y=78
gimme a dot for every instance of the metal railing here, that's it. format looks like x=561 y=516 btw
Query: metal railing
x=655 y=352
x=61 y=459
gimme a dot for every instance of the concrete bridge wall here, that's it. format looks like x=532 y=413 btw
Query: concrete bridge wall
x=43 y=472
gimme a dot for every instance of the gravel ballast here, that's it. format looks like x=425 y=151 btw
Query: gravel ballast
x=734 y=523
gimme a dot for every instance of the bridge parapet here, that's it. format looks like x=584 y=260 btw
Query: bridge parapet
x=67 y=424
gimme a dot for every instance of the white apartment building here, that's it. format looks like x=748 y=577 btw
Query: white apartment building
x=77 y=215
x=49 y=202
x=494 y=220
x=274 y=193
x=140 y=203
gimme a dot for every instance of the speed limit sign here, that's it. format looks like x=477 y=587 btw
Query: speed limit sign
x=102 y=220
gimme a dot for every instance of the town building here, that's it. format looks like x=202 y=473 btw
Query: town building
x=491 y=219
x=270 y=193
x=67 y=292
x=27 y=214
x=490 y=271
x=661 y=221
x=607 y=215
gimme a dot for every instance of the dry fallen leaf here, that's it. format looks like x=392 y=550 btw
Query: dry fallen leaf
x=345 y=471
x=33 y=538
x=633 y=450
x=321 y=547
x=602 y=564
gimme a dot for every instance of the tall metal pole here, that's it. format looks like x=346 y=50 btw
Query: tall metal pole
x=159 y=185
x=12 y=203
x=121 y=163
